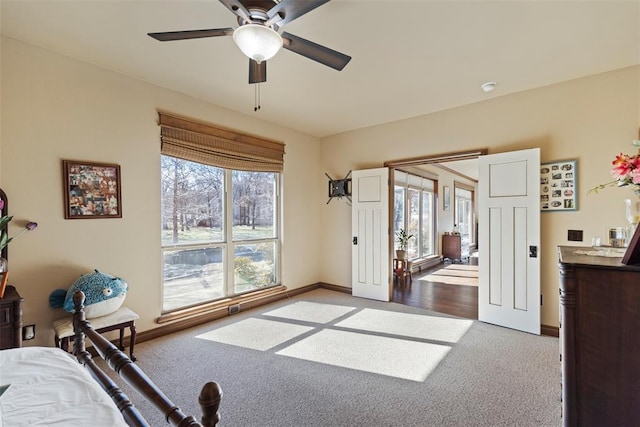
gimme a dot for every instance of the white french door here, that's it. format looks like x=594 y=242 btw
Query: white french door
x=370 y=234
x=509 y=239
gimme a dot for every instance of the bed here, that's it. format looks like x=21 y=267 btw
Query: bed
x=46 y=386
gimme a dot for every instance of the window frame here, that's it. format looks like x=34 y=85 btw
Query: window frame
x=207 y=144
x=228 y=245
x=407 y=183
x=472 y=215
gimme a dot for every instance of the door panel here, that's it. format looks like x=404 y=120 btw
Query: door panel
x=370 y=228
x=509 y=221
x=520 y=255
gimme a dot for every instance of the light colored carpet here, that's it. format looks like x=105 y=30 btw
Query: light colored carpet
x=393 y=357
x=385 y=355
x=433 y=328
x=310 y=312
x=360 y=363
x=257 y=334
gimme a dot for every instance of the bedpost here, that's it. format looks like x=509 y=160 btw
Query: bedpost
x=127 y=370
x=209 y=400
x=79 y=349
x=80 y=324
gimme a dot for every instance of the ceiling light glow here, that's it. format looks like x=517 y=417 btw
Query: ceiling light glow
x=258 y=42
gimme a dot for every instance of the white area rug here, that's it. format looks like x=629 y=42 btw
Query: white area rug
x=393 y=357
x=454 y=274
x=408 y=325
x=311 y=312
x=257 y=334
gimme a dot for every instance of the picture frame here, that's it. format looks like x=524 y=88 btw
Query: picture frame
x=632 y=254
x=92 y=190
x=446 y=197
x=559 y=186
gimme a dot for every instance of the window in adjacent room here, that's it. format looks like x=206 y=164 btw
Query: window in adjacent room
x=464 y=213
x=413 y=210
x=220 y=232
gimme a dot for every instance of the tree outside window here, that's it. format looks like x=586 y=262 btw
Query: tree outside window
x=215 y=243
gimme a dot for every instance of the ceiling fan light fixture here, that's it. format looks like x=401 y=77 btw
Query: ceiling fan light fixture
x=257 y=41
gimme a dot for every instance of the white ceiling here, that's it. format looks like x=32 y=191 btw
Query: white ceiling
x=409 y=57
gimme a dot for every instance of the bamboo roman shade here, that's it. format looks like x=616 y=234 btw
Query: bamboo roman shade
x=203 y=143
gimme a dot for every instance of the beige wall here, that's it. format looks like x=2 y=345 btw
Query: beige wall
x=57 y=108
x=54 y=107
x=589 y=119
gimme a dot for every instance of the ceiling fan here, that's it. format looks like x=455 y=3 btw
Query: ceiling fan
x=259 y=34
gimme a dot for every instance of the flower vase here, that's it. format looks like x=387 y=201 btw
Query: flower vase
x=633 y=217
x=633 y=214
x=4 y=275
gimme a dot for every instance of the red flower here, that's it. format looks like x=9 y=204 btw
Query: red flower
x=622 y=166
x=625 y=171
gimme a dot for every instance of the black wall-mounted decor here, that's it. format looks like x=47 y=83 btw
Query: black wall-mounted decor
x=339 y=188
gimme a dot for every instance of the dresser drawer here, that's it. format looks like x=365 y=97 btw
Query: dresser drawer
x=6 y=314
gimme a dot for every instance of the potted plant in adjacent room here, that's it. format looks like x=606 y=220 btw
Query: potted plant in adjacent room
x=403 y=242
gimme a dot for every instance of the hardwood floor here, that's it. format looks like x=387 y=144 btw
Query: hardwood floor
x=456 y=300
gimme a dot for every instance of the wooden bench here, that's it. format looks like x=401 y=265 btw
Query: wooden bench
x=123 y=318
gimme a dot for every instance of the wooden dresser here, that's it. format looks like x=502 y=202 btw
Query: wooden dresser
x=599 y=340
x=10 y=319
x=451 y=246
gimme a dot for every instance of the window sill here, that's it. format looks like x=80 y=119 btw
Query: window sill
x=224 y=307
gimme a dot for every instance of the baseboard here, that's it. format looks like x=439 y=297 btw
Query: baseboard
x=336 y=288
x=552 y=331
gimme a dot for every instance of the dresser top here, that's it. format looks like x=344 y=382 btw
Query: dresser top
x=574 y=255
x=10 y=295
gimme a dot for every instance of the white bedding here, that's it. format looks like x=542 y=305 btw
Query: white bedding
x=50 y=388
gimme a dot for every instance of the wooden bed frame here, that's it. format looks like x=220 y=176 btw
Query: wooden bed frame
x=209 y=398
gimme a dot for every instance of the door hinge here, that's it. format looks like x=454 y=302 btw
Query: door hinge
x=540 y=299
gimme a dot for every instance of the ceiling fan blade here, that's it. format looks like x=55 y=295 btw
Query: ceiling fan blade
x=190 y=34
x=257 y=72
x=288 y=10
x=318 y=53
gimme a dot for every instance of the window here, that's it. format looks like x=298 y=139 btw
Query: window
x=220 y=225
x=464 y=213
x=413 y=211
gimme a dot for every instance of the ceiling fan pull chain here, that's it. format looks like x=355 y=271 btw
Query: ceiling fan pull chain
x=256 y=98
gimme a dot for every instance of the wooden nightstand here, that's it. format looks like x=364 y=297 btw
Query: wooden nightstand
x=10 y=319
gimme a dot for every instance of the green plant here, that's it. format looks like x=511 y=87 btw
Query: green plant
x=403 y=239
x=4 y=235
